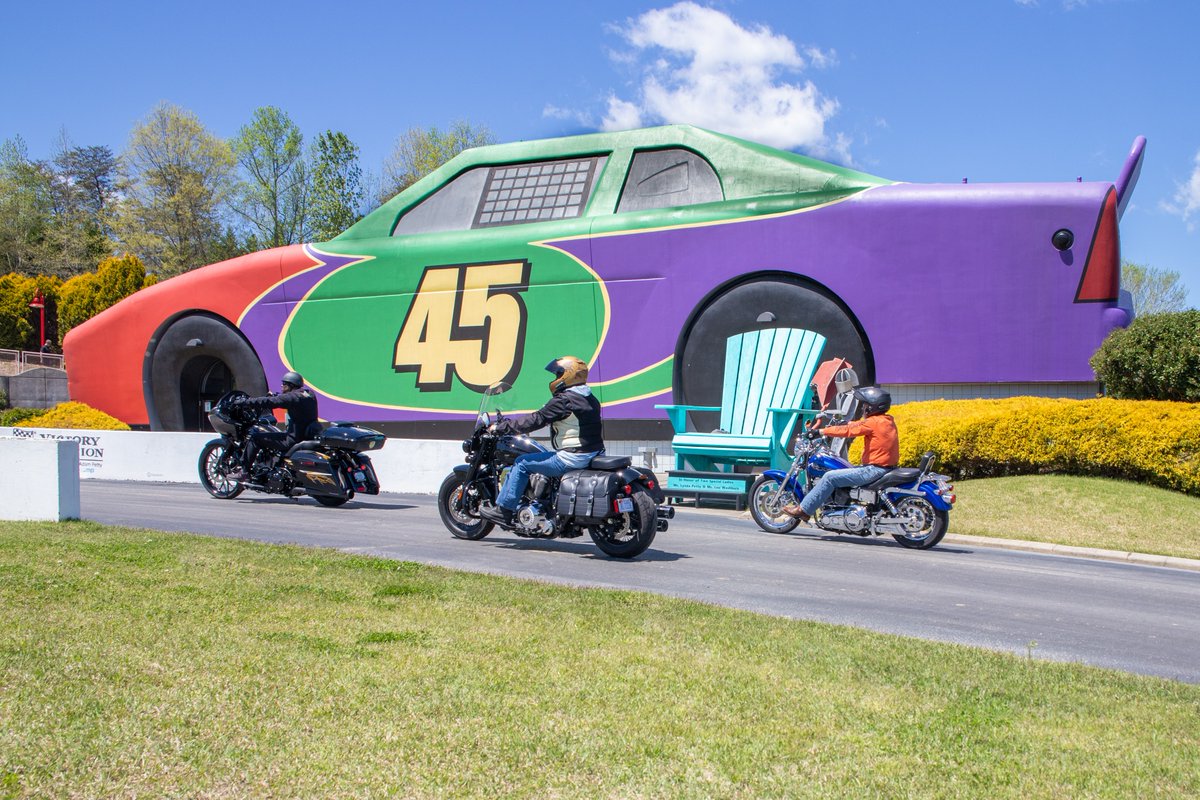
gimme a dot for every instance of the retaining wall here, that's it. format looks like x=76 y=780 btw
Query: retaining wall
x=403 y=465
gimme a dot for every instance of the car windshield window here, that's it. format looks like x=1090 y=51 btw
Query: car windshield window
x=506 y=194
x=668 y=178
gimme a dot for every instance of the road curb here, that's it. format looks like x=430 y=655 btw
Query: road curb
x=1147 y=559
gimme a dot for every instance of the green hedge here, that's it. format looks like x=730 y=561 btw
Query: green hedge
x=15 y=416
x=1149 y=441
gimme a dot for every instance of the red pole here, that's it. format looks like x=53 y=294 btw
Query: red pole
x=39 y=303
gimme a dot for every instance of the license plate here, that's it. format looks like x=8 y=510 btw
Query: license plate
x=625 y=505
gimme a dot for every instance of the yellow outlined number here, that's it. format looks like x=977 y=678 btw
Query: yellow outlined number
x=468 y=318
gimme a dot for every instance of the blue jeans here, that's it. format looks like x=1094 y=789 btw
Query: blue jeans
x=552 y=464
x=838 y=479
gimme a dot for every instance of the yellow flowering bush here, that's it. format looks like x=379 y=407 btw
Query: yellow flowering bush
x=1150 y=441
x=75 y=415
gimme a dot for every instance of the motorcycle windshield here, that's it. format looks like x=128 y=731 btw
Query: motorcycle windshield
x=497 y=400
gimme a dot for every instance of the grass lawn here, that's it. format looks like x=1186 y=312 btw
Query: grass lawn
x=136 y=663
x=1084 y=512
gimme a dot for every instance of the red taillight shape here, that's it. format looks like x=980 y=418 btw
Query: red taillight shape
x=1101 y=279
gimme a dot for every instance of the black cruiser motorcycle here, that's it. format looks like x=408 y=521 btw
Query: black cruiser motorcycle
x=330 y=469
x=616 y=503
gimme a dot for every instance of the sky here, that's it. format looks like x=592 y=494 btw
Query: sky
x=923 y=91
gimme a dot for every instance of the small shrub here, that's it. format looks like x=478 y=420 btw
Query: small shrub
x=15 y=416
x=76 y=415
x=1155 y=358
x=1152 y=442
x=3 y=399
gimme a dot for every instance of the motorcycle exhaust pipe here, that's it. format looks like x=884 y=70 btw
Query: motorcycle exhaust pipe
x=662 y=525
x=666 y=512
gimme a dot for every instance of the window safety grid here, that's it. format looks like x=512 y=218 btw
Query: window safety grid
x=533 y=192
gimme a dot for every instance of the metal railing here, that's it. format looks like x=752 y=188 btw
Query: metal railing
x=14 y=362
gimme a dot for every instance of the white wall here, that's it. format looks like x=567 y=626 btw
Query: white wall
x=39 y=479
x=403 y=465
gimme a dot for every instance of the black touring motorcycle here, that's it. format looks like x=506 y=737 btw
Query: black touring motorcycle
x=615 y=502
x=330 y=469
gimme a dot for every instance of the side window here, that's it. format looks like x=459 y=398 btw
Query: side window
x=668 y=178
x=508 y=194
x=451 y=208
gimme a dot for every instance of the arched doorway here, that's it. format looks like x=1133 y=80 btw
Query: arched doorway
x=202 y=381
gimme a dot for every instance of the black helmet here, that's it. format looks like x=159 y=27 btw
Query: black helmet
x=292 y=379
x=874 y=400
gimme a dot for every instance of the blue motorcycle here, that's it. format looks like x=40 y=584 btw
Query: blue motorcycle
x=912 y=505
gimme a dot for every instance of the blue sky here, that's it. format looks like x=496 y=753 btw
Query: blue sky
x=922 y=91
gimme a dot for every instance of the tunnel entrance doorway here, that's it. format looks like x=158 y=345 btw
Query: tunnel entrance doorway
x=202 y=381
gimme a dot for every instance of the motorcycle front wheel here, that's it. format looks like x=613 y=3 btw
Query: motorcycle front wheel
x=924 y=525
x=766 y=506
x=454 y=516
x=215 y=463
x=631 y=533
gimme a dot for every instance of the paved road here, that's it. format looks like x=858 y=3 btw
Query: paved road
x=1131 y=617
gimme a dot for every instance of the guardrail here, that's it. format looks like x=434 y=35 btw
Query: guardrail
x=14 y=362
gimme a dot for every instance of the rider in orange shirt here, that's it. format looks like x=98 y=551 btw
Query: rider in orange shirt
x=881 y=451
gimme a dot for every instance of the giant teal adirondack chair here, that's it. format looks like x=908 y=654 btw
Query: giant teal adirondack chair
x=766 y=390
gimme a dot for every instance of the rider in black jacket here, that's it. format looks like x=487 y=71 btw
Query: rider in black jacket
x=301 y=405
x=576 y=433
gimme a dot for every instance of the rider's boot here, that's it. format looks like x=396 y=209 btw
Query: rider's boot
x=498 y=514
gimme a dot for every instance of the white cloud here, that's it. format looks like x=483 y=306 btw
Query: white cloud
x=1187 y=197
x=701 y=67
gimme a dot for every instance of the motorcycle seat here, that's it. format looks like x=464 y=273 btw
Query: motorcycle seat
x=611 y=462
x=308 y=444
x=894 y=477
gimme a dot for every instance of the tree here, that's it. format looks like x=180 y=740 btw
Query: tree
x=91 y=172
x=273 y=198
x=1154 y=290
x=26 y=207
x=419 y=152
x=86 y=295
x=177 y=179
x=337 y=191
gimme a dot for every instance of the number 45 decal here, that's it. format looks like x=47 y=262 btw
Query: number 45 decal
x=468 y=318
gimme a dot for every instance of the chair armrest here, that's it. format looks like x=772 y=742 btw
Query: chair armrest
x=783 y=422
x=678 y=414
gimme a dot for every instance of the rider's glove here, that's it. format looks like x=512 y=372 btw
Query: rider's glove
x=812 y=433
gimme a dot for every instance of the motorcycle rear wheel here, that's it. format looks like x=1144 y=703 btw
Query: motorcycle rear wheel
x=457 y=519
x=330 y=501
x=927 y=525
x=630 y=534
x=215 y=463
x=766 y=506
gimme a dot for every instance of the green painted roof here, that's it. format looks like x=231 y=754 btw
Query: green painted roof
x=746 y=169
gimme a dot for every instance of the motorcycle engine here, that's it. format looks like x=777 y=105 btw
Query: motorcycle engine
x=530 y=518
x=850 y=519
x=279 y=481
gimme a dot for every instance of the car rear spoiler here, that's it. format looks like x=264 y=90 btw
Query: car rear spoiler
x=1129 y=174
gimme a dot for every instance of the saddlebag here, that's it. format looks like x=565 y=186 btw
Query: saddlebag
x=317 y=473
x=587 y=495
